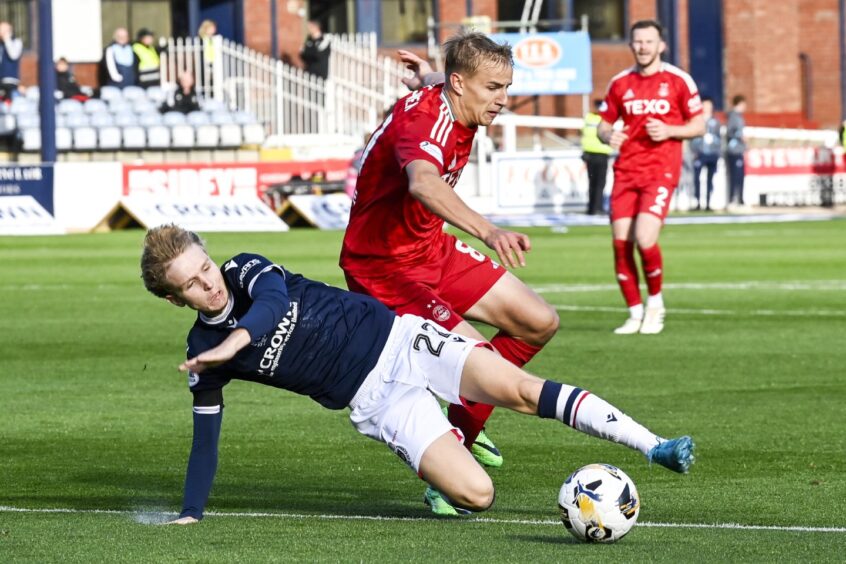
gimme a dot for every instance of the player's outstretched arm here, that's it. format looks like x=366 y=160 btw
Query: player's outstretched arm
x=424 y=74
x=237 y=340
x=426 y=185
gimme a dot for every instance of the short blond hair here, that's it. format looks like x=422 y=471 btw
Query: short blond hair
x=466 y=51
x=162 y=244
x=205 y=28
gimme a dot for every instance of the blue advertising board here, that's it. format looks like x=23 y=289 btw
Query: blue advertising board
x=26 y=200
x=549 y=63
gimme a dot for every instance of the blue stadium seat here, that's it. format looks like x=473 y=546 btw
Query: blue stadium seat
x=84 y=138
x=30 y=139
x=110 y=93
x=119 y=105
x=211 y=105
x=156 y=95
x=144 y=106
x=174 y=118
x=32 y=93
x=64 y=139
x=102 y=119
x=230 y=135
x=69 y=106
x=124 y=119
x=77 y=120
x=182 y=136
x=207 y=136
x=21 y=105
x=222 y=118
x=151 y=118
x=158 y=137
x=244 y=118
x=134 y=93
x=29 y=121
x=95 y=106
x=198 y=118
x=134 y=137
x=7 y=124
x=109 y=138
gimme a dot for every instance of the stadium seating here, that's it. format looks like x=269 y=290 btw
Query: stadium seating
x=130 y=119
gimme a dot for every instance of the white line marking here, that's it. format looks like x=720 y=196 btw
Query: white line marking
x=759 y=312
x=794 y=285
x=544 y=522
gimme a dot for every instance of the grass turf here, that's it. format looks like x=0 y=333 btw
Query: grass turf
x=93 y=414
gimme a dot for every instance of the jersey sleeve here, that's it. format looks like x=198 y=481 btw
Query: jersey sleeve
x=202 y=462
x=610 y=111
x=243 y=270
x=689 y=100
x=422 y=136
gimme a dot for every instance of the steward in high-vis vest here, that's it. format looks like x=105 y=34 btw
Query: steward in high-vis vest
x=595 y=153
x=148 y=59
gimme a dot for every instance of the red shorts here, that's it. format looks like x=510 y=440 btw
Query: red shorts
x=629 y=200
x=442 y=290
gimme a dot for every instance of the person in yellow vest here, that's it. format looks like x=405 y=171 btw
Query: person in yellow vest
x=148 y=58
x=595 y=154
x=207 y=31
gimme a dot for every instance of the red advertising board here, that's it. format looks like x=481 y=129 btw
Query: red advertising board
x=222 y=179
x=794 y=160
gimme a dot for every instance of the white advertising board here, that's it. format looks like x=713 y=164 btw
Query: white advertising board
x=210 y=214
x=552 y=181
x=326 y=211
x=23 y=215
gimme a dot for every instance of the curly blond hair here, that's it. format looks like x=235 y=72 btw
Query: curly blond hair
x=162 y=244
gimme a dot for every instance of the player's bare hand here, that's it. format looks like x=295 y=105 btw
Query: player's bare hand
x=183 y=521
x=657 y=130
x=419 y=66
x=616 y=139
x=237 y=340
x=509 y=246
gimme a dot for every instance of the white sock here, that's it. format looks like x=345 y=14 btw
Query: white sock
x=656 y=301
x=636 y=311
x=594 y=416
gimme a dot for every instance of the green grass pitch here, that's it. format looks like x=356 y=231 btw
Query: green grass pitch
x=95 y=416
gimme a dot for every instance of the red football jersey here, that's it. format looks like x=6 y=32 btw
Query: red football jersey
x=669 y=95
x=389 y=227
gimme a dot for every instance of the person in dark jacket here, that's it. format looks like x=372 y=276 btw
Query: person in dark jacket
x=185 y=98
x=66 y=81
x=316 y=50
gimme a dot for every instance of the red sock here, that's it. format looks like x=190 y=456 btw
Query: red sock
x=472 y=418
x=469 y=418
x=653 y=268
x=626 y=269
x=515 y=351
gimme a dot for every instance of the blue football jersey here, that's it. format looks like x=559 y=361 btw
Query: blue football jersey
x=326 y=343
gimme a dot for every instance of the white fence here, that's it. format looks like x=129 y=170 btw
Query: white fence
x=360 y=87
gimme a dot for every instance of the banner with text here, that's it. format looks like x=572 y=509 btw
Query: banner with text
x=26 y=200
x=549 y=63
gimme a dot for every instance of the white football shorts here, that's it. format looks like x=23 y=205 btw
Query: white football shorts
x=396 y=402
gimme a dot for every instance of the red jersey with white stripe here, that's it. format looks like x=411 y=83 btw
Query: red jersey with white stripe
x=670 y=95
x=388 y=227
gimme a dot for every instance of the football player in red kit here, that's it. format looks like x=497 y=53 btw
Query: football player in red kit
x=395 y=248
x=660 y=106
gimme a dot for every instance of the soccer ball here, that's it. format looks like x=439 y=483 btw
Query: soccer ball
x=599 y=503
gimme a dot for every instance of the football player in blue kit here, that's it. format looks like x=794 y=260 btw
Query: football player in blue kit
x=257 y=321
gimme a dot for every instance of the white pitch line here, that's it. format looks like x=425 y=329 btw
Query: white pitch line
x=791 y=285
x=756 y=312
x=545 y=522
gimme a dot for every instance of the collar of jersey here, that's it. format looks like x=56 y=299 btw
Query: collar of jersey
x=448 y=104
x=220 y=318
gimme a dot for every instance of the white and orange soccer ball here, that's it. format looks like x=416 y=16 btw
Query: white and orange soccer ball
x=599 y=503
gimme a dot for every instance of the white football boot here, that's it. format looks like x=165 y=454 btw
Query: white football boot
x=630 y=327
x=653 y=321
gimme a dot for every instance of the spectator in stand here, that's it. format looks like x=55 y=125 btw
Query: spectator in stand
x=119 y=67
x=185 y=98
x=66 y=82
x=207 y=31
x=735 y=150
x=148 y=58
x=316 y=50
x=706 y=154
x=595 y=154
x=11 y=48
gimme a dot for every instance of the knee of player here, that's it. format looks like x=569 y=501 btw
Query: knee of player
x=478 y=496
x=546 y=324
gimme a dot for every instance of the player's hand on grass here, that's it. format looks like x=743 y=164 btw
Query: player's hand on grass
x=657 y=130
x=183 y=521
x=509 y=246
x=419 y=66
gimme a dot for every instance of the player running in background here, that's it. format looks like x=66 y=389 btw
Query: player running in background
x=395 y=248
x=659 y=105
x=257 y=321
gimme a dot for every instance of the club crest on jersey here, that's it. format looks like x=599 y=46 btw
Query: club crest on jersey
x=193 y=379
x=644 y=107
x=432 y=150
x=664 y=89
x=440 y=312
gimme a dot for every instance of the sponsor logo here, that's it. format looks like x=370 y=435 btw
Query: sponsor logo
x=193 y=379
x=413 y=99
x=694 y=104
x=432 y=150
x=664 y=89
x=270 y=358
x=189 y=182
x=629 y=94
x=537 y=52
x=402 y=453
x=643 y=107
x=245 y=269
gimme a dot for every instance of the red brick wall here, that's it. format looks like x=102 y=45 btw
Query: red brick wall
x=818 y=31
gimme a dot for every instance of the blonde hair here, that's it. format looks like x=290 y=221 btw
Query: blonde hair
x=466 y=51
x=205 y=26
x=162 y=244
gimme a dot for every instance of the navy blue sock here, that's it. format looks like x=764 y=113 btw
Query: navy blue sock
x=548 y=401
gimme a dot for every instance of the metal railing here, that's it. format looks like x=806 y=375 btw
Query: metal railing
x=287 y=100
